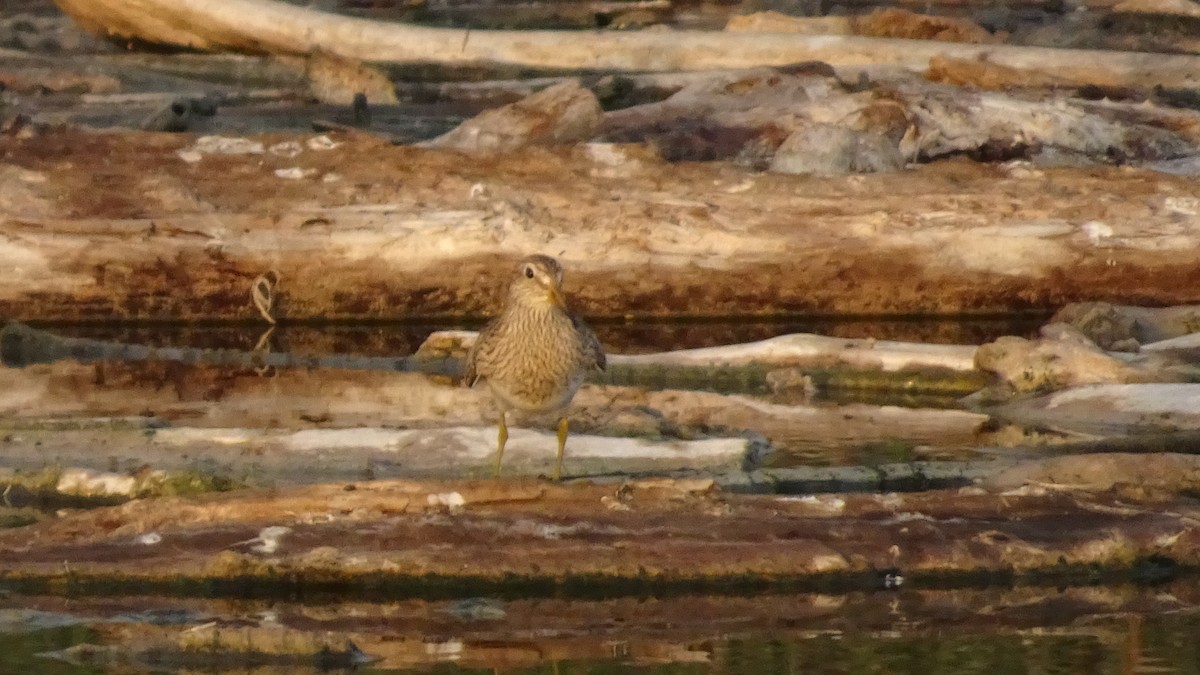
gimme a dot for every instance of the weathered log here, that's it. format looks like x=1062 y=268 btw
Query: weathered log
x=264 y=26
x=1063 y=357
x=1128 y=327
x=1110 y=409
x=915 y=119
x=394 y=534
x=128 y=229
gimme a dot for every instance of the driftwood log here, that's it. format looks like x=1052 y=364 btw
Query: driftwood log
x=154 y=226
x=274 y=27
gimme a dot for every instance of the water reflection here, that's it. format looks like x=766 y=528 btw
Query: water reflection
x=934 y=633
x=402 y=339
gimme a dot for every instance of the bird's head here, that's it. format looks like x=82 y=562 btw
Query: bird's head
x=538 y=282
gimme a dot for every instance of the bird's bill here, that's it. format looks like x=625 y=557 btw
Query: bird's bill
x=554 y=297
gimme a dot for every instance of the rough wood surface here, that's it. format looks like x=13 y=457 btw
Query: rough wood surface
x=410 y=532
x=121 y=226
x=275 y=27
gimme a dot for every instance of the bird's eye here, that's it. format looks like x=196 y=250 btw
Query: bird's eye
x=528 y=272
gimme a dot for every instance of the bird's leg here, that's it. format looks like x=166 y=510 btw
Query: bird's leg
x=501 y=439
x=562 y=445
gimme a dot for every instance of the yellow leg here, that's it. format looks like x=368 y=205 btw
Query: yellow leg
x=562 y=445
x=501 y=439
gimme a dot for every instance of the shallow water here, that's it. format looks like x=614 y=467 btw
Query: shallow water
x=1054 y=639
x=398 y=338
x=865 y=435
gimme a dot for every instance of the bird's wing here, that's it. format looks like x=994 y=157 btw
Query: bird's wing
x=481 y=347
x=592 y=349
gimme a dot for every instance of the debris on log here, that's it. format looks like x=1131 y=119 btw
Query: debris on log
x=560 y=114
x=817 y=125
x=1127 y=327
x=882 y=22
x=1064 y=357
x=986 y=75
x=335 y=79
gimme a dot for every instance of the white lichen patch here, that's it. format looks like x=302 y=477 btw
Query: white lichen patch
x=1098 y=233
x=450 y=499
x=225 y=145
x=287 y=149
x=829 y=504
x=89 y=483
x=321 y=143
x=186 y=435
x=295 y=173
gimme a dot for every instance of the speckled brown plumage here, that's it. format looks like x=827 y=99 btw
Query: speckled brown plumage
x=535 y=354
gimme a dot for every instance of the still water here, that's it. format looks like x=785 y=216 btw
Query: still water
x=397 y=338
x=927 y=633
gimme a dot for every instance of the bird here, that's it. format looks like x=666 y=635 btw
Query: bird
x=535 y=353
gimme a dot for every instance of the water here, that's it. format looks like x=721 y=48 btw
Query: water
x=1058 y=633
x=833 y=427
x=397 y=338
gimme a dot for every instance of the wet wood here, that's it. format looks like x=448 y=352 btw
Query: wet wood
x=402 y=532
x=259 y=26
